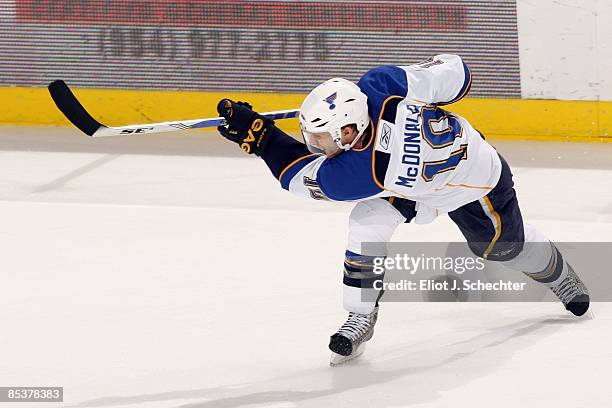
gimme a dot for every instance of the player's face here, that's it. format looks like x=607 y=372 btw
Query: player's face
x=324 y=142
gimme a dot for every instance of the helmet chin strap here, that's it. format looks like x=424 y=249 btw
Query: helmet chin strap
x=347 y=147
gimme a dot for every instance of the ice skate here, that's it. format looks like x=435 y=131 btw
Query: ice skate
x=349 y=341
x=572 y=292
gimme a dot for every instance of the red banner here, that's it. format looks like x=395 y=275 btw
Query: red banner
x=416 y=15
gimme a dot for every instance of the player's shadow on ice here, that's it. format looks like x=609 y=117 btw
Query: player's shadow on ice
x=454 y=365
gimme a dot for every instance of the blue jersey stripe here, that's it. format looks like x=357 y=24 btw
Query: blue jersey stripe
x=294 y=168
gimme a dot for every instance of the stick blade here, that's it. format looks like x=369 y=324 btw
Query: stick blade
x=70 y=106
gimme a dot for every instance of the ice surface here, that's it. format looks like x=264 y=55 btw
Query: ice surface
x=186 y=280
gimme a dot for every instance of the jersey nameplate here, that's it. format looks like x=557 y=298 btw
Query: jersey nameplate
x=411 y=157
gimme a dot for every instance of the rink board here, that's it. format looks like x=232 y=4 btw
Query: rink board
x=500 y=118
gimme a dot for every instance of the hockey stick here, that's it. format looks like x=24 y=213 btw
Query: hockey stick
x=76 y=113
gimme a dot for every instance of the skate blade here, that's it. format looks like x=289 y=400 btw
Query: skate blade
x=338 y=360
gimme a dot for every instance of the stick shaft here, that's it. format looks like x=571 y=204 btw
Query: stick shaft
x=70 y=106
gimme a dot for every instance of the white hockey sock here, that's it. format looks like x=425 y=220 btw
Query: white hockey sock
x=539 y=259
x=352 y=302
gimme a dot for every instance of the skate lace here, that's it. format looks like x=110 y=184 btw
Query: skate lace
x=356 y=326
x=568 y=289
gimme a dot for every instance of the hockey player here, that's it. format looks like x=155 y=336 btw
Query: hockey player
x=387 y=144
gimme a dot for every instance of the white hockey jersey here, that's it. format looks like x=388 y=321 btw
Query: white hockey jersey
x=418 y=151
